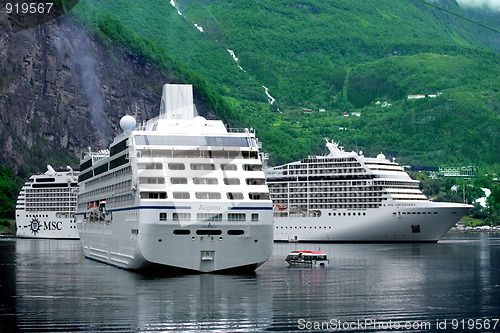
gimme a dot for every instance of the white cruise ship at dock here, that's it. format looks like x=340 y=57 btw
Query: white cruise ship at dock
x=179 y=191
x=347 y=197
x=46 y=205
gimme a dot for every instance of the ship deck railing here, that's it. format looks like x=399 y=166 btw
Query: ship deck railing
x=240 y=130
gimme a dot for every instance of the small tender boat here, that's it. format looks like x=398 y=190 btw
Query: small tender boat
x=307 y=258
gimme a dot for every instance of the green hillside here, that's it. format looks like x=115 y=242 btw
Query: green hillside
x=340 y=56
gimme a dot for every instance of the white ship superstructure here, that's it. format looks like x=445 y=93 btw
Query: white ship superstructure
x=179 y=191
x=46 y=205
x=347 y=197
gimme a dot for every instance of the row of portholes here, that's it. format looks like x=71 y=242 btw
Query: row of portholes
x=347 y=214
x=209 y=232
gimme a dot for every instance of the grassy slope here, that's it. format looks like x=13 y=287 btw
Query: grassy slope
x=303 y=50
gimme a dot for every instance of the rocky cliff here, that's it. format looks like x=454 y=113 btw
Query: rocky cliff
x=62 y=91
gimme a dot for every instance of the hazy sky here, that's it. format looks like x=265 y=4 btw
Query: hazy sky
x=493 y=4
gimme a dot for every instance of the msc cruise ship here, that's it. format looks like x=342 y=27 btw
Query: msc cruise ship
x=347 y=197
x=178 y=191
x=46 y=205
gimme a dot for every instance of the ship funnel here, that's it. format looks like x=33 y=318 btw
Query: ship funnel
x=177 y=102
x=50 y=170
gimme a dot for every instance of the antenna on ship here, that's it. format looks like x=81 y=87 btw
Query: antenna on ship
x=135 y=111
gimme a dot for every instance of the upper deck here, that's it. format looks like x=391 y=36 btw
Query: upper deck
x=340 y=180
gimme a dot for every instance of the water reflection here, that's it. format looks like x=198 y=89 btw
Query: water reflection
x=47 y=285
x=57 y=289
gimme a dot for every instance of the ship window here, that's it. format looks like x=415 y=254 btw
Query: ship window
x=228 y=167
x=182 y=232
x=224 y=154
x=256 y=181
x=186 y=153
x=45 y=180
x=181 y=216
x=252 y=167
x=151 y=180
x=192 y=141
x=178 y=180
x=250 y=154
x=231 y=181
x=121 y=146
x=208 y=232
x=255 y=217
x=202 y=166
x=176 y=166
x=83 y=166
x=235 y=232
x=236 y=217
x=258 y=196
x=181 y=195
x=209 y=217
x=415 y=228
x=153 y=195
x=121 y=160
x=50 y=185
x=150 y=166
x=163 y=216
x=205 y=181
x=208 y=195
x=235 y=196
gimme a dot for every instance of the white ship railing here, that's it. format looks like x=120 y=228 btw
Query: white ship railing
x=240 y=130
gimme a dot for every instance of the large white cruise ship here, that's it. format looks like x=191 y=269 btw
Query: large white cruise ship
x=347 y=197
x=179 y=191
x=46 y=205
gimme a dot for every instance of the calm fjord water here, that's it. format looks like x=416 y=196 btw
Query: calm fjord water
x=48 y=286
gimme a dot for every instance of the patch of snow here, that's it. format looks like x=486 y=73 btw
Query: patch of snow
x=233 y=55
x=270 y=98
x=199 y=27
x=235 y=59
x=173 y=4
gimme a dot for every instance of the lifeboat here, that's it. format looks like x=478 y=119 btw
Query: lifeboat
x=307 y=259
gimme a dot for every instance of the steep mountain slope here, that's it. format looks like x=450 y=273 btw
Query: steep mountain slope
x=341 y=56
x=337 y=56
x=63 y=91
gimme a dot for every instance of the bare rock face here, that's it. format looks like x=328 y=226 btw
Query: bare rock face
x=61 y=91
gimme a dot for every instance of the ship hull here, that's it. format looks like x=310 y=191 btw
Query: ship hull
x=394 y=222
x=135 y=239
x=45 y=224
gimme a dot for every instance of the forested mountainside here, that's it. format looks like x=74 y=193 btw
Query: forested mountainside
x=271 y=61
x=337 y=56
